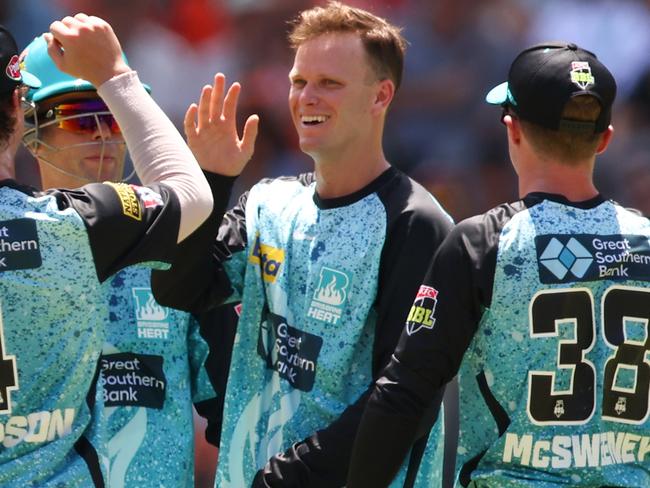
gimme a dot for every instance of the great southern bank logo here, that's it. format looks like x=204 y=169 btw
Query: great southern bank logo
x=588 y=257
x=560 y=258
x=330 y=295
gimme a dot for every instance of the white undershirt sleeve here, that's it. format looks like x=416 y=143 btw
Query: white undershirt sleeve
x=158 y=151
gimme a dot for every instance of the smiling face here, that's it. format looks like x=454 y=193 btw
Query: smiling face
x=332 y=95
x=77 y=151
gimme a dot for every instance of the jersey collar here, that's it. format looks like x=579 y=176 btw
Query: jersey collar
x=537 y=197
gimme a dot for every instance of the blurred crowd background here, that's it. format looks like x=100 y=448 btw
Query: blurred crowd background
x=439 y=129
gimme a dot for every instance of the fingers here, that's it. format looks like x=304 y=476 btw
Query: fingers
x=216 y=101
x=189 y=122
x=61 y=28
x=204 y=106
x=230 y=102
x=54 y=49
x=211 y=102
x=250 y=134
x=86 y=47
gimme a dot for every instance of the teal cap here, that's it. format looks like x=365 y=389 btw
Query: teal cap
x=54 y=82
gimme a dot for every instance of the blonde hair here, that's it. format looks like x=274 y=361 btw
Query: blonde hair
x=383 y=42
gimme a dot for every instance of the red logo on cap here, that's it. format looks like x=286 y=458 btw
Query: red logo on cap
x=13 y=68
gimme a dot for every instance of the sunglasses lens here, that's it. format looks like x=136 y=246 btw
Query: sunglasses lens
x=110 y=122
x=82 y=117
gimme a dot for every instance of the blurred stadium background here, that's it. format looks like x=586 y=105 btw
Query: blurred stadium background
x=440 y=131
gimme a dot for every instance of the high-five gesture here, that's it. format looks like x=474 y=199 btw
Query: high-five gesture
x=211 y=130
x=86 y=47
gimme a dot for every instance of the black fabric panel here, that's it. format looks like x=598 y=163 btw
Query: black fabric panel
x=498 y=412
x=218 y=328
x=464 y=476
x=196 y=282
x=85 y=449
x=117 y=239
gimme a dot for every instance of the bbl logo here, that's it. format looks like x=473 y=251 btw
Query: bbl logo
x=421 y=314
x=581 y=74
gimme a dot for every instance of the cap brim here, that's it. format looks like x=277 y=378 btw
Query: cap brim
x=498 y=95
x=30 y=80
x=63 y=87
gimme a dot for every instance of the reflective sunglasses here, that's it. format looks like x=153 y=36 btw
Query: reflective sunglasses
x=82 y=117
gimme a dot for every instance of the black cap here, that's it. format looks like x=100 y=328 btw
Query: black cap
x=11 y=75
x=544 y=77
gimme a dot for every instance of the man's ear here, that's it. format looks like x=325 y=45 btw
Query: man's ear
x=384 y=95
x=605 y=139
x=514 y=129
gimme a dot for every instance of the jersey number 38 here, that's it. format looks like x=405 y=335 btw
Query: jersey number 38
x=625 y=314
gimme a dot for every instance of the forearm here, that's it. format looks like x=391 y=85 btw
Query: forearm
x=158 y=151
x=319 y=461
x=395 y=416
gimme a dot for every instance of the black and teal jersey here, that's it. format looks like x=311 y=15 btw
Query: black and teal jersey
x=152 y=371
x=325 y=285
x=153 y=368
x=55 y=250
x=547 y=304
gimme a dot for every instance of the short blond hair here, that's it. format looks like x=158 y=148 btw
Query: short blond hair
x=383 y=41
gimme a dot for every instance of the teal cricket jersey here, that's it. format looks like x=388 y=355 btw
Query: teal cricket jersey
x=152 y=371
x=55 y=249
x=324 y=285
x=549 y=301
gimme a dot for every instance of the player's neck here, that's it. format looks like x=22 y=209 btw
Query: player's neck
x=573 y=182
x=341 y=177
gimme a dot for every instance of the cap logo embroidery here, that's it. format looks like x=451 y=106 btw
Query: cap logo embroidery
x=21 y=60
x=13 y=69
x=581 y=74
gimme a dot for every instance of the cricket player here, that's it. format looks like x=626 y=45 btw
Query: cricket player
x=153 y=367
x=543 y=304
x=58 y=246
x=323 y=263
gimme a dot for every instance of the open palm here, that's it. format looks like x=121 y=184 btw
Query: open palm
x=211 y=130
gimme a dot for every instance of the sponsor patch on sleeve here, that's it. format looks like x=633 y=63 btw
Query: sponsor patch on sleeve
x=128 y=198
x=421 y=314
x=19 y=245
x=148 y=197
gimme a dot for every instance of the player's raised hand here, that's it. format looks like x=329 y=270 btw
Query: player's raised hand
x=211 y=130
x=85 y=47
